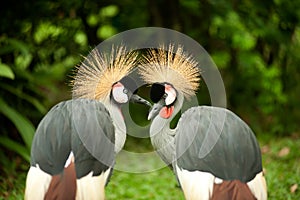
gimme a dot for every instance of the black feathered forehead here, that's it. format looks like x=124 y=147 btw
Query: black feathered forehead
x=157 y=91
x=129 y=83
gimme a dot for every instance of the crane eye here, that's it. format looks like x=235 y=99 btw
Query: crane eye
x=119 y=93
x=165 y=95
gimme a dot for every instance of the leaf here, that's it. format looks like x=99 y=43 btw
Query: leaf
x=106 y=31
x=16 y=147
x=10 y=45
x=109 y=11
x=23 y=60
x=24 y=126
x=92 y=20
x=284 y=152
x=293 y=188
x=20 y=94
x=5 y=71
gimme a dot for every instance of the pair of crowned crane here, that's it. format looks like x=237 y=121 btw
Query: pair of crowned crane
x=75 y=145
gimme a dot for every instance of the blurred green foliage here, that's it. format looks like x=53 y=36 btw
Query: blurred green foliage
x=255 y=44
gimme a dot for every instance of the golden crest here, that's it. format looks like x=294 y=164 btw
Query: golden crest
x=166 y=64
x=100 y=70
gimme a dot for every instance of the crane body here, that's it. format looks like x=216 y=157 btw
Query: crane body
x=61 y=165
x=215 y=154
x=74 y=147
x=234 y=158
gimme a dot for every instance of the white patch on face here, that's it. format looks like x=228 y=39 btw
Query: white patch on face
x=171 y=94
x=119 y=93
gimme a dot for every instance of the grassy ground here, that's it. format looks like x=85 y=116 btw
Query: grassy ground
x=281 y=158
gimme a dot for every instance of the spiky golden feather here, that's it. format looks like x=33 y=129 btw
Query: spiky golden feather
x=99 y=71
x=167 y=64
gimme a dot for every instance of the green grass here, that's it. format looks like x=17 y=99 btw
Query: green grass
x=12 y=178
x=282 y=172
x=157 y=185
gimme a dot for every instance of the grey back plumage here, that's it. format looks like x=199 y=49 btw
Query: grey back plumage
x=234 y=155
x=73 y=126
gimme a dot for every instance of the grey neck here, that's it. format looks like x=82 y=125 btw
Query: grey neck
x=161 y=125
x=119 y=124
x=162 y=137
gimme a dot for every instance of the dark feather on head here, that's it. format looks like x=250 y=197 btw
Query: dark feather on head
x=129 y=83
x=157 y=91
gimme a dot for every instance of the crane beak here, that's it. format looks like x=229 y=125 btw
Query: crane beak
x=137 y=99
x=155 y=110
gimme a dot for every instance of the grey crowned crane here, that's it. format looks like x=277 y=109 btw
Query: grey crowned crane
x=75 y=144
x=214 y=154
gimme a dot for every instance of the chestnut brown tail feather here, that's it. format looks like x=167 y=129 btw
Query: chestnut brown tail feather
x=63 y=186
x=232 y=190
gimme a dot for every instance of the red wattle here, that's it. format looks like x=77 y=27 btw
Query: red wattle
x=166 y=112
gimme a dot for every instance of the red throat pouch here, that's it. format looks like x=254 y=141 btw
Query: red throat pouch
x=166 y=112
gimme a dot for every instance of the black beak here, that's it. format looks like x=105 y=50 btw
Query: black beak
x=137 y=99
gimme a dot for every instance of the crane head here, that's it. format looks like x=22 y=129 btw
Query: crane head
x=164 y=95
x=126 y=90
x=101 y=71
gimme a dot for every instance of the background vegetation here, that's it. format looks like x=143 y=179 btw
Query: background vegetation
x=255 y=44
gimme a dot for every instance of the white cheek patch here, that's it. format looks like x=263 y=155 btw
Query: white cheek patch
x=118 y=93
x=170 y=91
